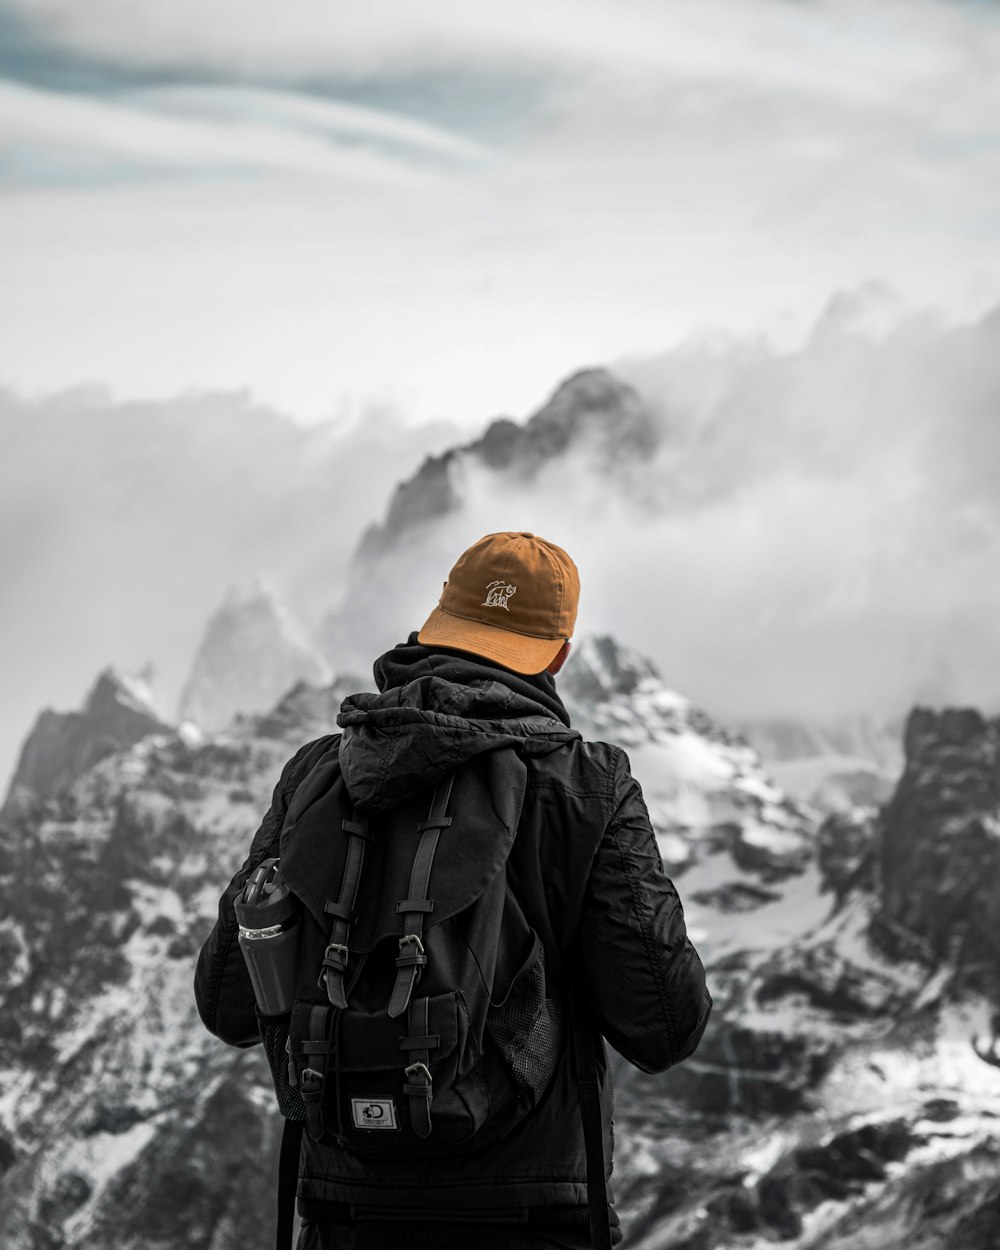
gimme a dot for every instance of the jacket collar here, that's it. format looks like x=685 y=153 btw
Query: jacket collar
x=411 y=659
x=435 y=709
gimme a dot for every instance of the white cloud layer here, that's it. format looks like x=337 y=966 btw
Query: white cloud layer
x=212 y=131
x=818 y=534
x=725 y=162
x=842 y=47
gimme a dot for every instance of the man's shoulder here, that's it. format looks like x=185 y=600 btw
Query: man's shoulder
x=584 y=767
x=308 y=755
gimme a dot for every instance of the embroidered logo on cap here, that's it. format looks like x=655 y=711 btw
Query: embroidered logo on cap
x=374 y=1113
x=497 y=594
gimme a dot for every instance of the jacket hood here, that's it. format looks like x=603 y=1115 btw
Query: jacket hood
x=436 y=709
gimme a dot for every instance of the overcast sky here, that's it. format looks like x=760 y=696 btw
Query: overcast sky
x=445 y=207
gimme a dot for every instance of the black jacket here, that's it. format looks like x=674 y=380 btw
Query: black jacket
x=585 y=869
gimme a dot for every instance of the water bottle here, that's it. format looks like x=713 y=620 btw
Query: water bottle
x=269 y=938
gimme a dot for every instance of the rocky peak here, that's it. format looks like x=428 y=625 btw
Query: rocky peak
x=116 y=694
x=954 y=738
x=591 y=406
x=939 y=846
x=118 y=711
x=600 y=667
x=716 y=812
x=591 y=402
x=252 y=652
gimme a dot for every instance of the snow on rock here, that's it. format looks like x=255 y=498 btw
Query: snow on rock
x=15 y=954
x=705 y=787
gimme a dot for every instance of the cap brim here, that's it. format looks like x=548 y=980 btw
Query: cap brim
x=521 y=652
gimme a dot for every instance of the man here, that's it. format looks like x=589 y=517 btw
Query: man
x=584 y=868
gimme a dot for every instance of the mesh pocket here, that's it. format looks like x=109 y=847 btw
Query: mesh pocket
x=528 y=1029
x=274 y=1035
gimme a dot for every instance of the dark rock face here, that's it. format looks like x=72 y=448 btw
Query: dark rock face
x=63 y=745
x=593 y=403
x=840 y=1168
x=740 y=1071
x=846 y=851
x=736 y=896
x=939 y=853
x=426 y=496
x=764 y=861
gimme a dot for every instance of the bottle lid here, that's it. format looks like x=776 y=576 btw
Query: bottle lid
x=265 y=900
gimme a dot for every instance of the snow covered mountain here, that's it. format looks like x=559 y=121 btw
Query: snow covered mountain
x=252 y=652
x=714 y=808
x=836 y=1101
x=123 y=1124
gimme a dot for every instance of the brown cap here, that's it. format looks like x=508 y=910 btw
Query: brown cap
x=511 y=597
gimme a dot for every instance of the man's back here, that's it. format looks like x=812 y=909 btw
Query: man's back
x=584 y=869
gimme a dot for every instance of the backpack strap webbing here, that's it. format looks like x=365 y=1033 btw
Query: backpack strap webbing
x=585 y=1042
x=419 y=1086
x=288 y=1180
x=331 y=977
x=411 y=958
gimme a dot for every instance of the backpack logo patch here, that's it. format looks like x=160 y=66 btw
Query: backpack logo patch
x=374 y=1113
x=497 y=594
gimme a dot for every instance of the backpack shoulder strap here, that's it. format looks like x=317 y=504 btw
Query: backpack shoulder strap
x=334 y=967
x=288 y=1179
x=411 y=958
x=585 y=1041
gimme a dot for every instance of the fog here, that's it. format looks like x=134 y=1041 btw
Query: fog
x=123 y=524
x=817 y=534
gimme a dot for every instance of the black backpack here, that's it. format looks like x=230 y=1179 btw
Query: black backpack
x=422 y=1022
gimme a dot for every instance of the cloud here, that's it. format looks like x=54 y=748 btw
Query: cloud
x=121 y=525
x=597 y=179
x=329 y=119
x=843 y=48
x=215 y=131
x=817 y=536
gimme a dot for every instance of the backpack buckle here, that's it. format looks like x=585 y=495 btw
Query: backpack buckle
x=311 y=1081
x=335 y=956
x=418 y=1069
x=332 y=972
x=412 y=959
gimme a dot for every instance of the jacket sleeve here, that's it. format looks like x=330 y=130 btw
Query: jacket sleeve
x=222 y=988
x=638 y=970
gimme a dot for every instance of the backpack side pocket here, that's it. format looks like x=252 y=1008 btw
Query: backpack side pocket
x=529 y=1028
x=274 y=1034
